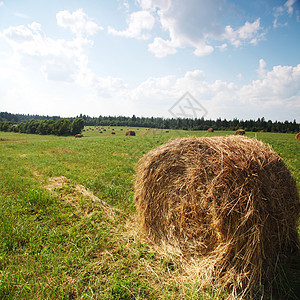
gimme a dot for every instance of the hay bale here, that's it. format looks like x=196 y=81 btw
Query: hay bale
x=298 y=136
x=240 y=132
x=78 y=135
x=229 y=203
x=130 y=133
x=210 y=130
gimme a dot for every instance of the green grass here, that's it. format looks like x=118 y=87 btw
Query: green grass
x=61 y=244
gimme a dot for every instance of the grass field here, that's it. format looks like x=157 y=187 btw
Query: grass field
x=67 y=217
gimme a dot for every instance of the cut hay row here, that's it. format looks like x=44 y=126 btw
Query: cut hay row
x=228 y=206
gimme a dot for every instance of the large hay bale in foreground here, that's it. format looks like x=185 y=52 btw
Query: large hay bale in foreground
x=298 y=136
x=229 y=203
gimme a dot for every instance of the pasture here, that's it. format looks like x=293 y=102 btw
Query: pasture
x=67 y=217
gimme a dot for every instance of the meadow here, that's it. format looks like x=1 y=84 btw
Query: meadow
x=67 y=217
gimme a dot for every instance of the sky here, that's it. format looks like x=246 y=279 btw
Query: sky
x=161 y=58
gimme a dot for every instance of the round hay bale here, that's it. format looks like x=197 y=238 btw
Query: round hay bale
x=240 y=132
x=210 y=130
x=130 y=133
x=298 y=136
x=229 y=203
x=78 y=135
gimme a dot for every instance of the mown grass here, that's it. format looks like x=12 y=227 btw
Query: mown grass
x=61 y=244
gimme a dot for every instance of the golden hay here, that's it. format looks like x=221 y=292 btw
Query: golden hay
x=229 y=203
x=298 y=136
x=210 y=130
x=130 y=133
x=240 y=132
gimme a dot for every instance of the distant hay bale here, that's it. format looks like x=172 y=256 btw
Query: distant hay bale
x=240 y=132
x=228 y=203
x=210 y=130
x=298 y=136
x=130 y=133
x=78 y=135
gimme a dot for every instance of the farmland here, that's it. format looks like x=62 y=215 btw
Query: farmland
x=67 y=217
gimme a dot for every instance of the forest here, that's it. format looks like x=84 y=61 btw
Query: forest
x=64 y=126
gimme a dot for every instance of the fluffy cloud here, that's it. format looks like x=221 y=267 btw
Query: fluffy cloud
x=78 y=22
x=246 y=33
x=278 y=87
x=190 y=23
x=282 y=11
x=137 y=23
x=161 y=47
x=273 y=91
x=58 y=60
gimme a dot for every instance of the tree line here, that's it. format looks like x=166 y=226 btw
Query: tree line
x=45 y=124
x=45 y=127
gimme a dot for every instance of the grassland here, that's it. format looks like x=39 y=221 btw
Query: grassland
x=67 y=217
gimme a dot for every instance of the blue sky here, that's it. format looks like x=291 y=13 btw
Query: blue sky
x=238 y=59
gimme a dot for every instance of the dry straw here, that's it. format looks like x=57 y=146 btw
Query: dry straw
x=228 y=206
x=130 y=133
x=240 y=132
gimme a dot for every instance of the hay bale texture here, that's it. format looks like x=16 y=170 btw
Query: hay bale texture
x=130 y=133
x=229 y=203
x=240 y=132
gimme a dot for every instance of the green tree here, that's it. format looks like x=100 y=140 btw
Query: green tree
x=62 y=127
x=77 y=125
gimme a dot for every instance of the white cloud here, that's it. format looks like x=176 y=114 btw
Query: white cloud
x=261 y=71
x=282 y=11
x=162 y=48
x=203 y=50
x=249 y=32
x=137 y=23
x=277 y=91
x=192 y=23
x=1 y=3
x=289 y=6
x=78 y=22
x=222 y=47
x=278 y=87
x=58 y=60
